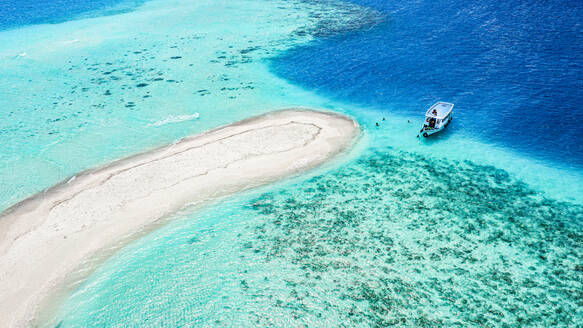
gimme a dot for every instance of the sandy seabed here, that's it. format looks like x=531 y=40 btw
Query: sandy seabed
x=55 y=235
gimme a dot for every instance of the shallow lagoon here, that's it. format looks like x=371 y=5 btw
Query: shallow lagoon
x=80 y=94
x=402 y=232
x=390 y=238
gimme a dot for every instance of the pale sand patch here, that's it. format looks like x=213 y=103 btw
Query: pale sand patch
x=46 y=239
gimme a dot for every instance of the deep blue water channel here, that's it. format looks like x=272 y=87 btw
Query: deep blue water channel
x=513 y=68
x=16 y=13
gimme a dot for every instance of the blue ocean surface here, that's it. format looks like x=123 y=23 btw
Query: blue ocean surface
x=16 y=13
x=514 y=69
x=442 y=232
x=391 y=239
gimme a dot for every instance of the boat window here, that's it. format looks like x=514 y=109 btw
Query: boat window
x=432 y=122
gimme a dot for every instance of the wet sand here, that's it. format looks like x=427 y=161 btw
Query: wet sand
x=52 y=236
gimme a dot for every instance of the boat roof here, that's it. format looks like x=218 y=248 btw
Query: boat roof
x=441 y=110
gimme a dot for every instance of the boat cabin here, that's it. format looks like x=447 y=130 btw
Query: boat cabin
x=436 y=118
x=438 y=114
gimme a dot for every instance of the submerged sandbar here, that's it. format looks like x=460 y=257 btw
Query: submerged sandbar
x=49 y=236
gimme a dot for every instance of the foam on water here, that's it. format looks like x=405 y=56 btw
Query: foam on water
x=175 y=119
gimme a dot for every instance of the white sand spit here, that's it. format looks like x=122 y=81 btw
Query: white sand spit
x=54 y=235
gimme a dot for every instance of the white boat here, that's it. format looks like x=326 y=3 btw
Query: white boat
x=437 y=118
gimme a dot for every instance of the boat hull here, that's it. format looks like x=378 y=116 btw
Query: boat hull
x=426 y=133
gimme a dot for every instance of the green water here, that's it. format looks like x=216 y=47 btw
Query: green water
x=389 y=238
x=83 y=93
x=443 y=232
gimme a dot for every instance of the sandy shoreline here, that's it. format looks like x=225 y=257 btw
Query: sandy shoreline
x=50 y=236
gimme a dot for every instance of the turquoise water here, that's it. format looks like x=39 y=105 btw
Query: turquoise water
x=80 y=94
x=389 y=238
x=455 y=230
x=16 y=13
x=514 y=75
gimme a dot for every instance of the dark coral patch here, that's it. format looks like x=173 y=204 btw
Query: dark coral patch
x=401 y=239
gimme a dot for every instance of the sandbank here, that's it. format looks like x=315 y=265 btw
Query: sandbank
x=49 y=237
